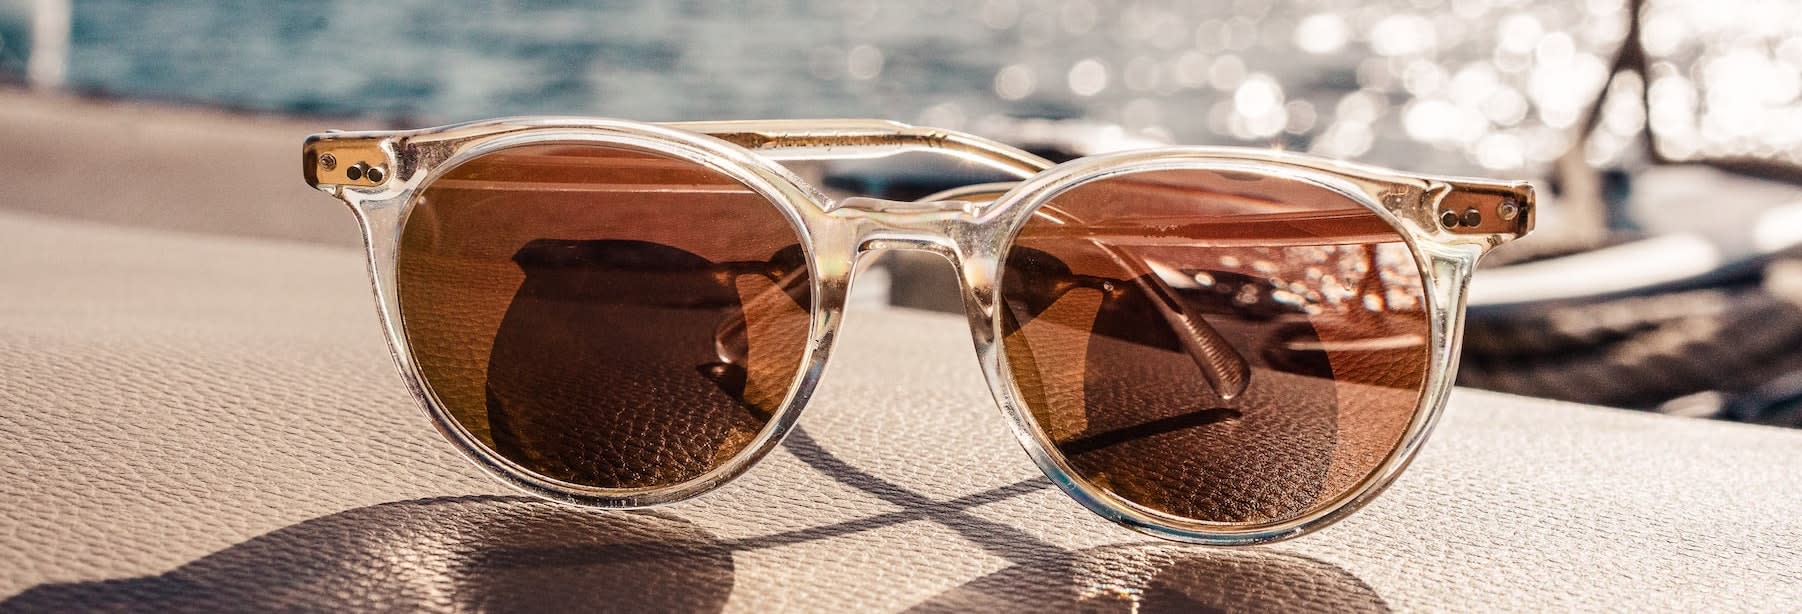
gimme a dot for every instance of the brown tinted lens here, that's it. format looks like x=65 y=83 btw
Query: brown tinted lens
x=1127 y=299
x=603 y=316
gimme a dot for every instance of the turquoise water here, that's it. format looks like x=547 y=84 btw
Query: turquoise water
x=1460 y=85
x=460 y=60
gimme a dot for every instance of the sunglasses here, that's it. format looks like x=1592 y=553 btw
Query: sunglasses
x=1213 y=345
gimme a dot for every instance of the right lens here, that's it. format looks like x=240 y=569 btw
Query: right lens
x=1221 y=347
x=603 y=316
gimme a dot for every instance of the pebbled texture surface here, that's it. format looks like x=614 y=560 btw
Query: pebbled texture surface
x=191 y=422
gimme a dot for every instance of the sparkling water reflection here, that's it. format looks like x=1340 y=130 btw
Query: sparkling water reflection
x=1498 y=84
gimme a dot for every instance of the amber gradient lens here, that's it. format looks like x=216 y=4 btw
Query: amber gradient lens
x=603 y=316
x=1220 y=347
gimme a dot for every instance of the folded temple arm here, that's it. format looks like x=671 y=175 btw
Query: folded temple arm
x=1225 y=369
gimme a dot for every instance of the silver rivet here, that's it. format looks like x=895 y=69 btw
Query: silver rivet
x=328 y=161
x=1507 y=210
x=374 y=174
x=1448 y=219
x=1472 y=218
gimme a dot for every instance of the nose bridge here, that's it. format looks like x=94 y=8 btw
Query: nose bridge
x=929 y=225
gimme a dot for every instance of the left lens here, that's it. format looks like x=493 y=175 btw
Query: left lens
x=603 y=316
x=1221 y=347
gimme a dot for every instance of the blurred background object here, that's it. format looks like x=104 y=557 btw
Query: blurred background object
x=1665 y=134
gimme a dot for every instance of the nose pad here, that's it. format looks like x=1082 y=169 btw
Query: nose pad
x=892 y=228
x=907 y=208
x=894 y=224
x=913 y=241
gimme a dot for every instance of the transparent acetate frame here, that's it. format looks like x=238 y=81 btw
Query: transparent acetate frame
x=1448 y=223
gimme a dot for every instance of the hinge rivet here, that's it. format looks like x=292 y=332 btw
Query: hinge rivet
x=328 y=161
x=1507 y=210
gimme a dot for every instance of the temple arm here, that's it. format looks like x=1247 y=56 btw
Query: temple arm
x=1225 y=369
x=840 y=139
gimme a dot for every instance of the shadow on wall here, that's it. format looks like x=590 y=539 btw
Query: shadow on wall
x=517 y=554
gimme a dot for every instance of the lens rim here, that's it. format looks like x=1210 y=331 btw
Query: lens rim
x=1443 y=266
x=383 y=214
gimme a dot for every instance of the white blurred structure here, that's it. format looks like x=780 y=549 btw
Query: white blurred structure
x=48 y=65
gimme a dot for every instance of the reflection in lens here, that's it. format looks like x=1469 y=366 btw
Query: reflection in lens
x=1124 y=297
x=603 y=316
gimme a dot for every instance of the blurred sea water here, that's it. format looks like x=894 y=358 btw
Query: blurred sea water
x=1450 y=85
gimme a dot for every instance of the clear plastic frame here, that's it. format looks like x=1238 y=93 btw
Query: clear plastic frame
x=1447 y=223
